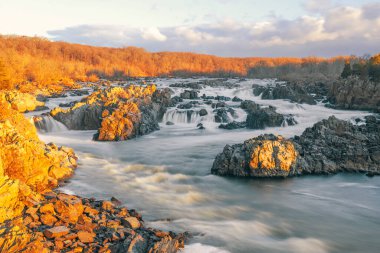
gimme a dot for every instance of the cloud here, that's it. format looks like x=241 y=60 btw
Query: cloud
x=334 y=31
x=153 y=33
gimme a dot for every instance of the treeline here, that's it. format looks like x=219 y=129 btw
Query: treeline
x=310 y=69
x=29 y=63
x=366 y=68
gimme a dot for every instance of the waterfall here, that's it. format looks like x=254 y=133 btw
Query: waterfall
x=187 y=116
x=47 y=124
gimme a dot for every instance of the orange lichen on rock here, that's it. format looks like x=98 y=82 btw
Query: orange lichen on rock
x=273 y=154
x=21 y=102
x=119 y=125
x=27 y=167
x=25 y=157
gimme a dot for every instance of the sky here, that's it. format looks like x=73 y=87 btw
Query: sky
x=236 y=28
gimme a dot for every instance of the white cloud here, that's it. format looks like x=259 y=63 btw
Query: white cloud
x=338 y=30
x=153 y=33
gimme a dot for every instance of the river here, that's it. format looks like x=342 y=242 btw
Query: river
x=166 y=176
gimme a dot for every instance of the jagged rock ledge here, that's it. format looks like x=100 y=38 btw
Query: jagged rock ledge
x=292 y=91
x=118 y=113
x=329 y=147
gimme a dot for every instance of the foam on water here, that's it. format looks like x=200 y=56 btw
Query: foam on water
x=166 y=176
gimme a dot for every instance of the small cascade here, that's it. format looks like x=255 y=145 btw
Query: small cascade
x=47 y=124
x=289 y=121
x=187 y=116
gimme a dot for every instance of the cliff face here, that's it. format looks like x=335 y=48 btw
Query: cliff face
x=330 y=146
x=117 y=113
x=354 y=93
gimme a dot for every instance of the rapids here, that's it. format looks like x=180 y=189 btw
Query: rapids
x=166 y=176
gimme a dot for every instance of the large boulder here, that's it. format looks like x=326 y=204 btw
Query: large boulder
x=330 y=146
x=263 y=156
x=260 y=118
x=355 y=93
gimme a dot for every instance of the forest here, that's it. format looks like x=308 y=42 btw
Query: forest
x=29 y=63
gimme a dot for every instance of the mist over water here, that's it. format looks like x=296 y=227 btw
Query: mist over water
x=166 y=177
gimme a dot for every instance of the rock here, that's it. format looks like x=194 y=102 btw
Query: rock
x=174 y=101
x=260 y=118
x=35 y=222
x=185 y=106
x=222 y=98
x=221 y=115
x=107 y=205
x=117 y=113
x=131 y=222
x=203 y=112
x=330 y=146
x=220 y=105
x=169 y=123
x=22 y=102
x=47 y=209
x=236 y=99
x=48 y=219
x=292 y=91
x=233 y=125
x=86 y=237
x=189 y=94
x=355 y=94
x=200 y=126
x=193 y=86
x=56 y=232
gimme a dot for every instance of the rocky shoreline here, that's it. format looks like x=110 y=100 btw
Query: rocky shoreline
x=36 y=218
x=329 y=147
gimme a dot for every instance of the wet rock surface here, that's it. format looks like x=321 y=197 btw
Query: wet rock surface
x=330 y=146
x=233 y=125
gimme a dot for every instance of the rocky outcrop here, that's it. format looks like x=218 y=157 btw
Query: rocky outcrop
x=355 y=94
x=117 y=113
x=233 y=125
x=264 y=156
x=24 y=157
x=189 y=94
x=27 y=168
x=22 y=102
x=63 y=223
x=260 y=118
x=35 y=219
x=291 y=91
x=330 y=146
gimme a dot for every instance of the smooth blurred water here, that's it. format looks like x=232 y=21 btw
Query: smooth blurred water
x=166 y=176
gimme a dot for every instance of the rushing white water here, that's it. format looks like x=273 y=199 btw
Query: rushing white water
x=49 y=124
x=166 y=176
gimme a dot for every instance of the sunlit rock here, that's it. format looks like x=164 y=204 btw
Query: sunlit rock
x=21 y=102
x=330 y=146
